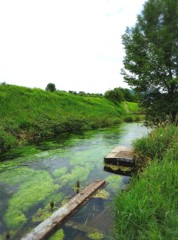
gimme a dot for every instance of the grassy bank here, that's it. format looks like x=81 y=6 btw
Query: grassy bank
x=148 y=209
x=33 y=114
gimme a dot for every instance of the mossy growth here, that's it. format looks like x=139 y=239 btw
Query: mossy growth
x=102 y=194
x=17 y=175
x=58 y=235
x=59 y=172
x=96 y=235
x=78 y=174
x=114 y=182
x=32 y=192
x=42 y=214
x=117 y=168
x=46 y=212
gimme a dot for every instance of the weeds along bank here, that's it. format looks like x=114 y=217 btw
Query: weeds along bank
x=31 y=114
x=149 y=209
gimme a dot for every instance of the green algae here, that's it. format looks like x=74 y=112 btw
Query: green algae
x=102 y=194
x=96 y=235
x=17 y=175
x=43 y=214
x=116 y=168
x=46 y=212
x=78 y=174
x=30 y=193
x=56 y=197
x=114 y=182
x=58 y=235
x=59 y=172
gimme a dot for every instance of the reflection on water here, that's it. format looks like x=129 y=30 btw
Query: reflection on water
x=49 y=172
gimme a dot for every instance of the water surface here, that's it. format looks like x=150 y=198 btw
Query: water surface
x=28 y=184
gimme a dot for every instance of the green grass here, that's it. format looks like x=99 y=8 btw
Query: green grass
x=31 y=114
x=148 y=208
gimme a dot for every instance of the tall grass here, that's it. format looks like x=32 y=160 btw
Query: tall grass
x=29 y=114
x=149 y=210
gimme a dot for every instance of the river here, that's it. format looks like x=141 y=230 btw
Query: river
x=47 y=173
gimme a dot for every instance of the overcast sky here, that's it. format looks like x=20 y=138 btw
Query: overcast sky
x=75 y=44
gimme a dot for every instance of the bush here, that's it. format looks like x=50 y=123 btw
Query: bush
x=115 y=95
x=50 y=87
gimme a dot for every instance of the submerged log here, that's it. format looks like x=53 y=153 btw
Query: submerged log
x=81 y=227
x=59 y=216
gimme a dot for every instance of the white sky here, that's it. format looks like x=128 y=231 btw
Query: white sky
x=75 y=44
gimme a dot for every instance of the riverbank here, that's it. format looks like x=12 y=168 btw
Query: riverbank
x=29 y=115
x=147 y=209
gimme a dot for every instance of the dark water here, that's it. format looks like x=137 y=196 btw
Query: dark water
x=48 y=172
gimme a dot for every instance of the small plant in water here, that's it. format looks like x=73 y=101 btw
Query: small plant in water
x=58 y=235
x=102 y=194
x=96 y=235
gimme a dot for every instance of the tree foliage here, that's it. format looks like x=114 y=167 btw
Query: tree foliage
x=151 y=61
x=51 y=87
x=114 y=95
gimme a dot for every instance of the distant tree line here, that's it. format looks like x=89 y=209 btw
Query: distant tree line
x=116 y=95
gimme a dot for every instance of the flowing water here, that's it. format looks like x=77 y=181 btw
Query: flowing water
x=47 y=173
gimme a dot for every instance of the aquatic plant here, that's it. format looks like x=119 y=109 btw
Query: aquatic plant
x=59 y=172
x=58 y=235
x=78 y=174
x=46 y=212
x=96 y=236
x=114 y=182
x=17 y=175
x=42 y=214
x=30 y=193
x=102 y=194
x=116 y=168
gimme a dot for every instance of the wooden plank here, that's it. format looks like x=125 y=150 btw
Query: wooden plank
x=81 y=227
x=59 y=216
x=121 y=156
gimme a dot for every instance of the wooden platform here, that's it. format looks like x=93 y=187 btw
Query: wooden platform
x=59 y=216
x=121 y=156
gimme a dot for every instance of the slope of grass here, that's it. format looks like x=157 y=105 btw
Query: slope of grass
x=30 y=114
x=149 y=207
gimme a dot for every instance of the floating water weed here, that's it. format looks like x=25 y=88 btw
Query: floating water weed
x=102 y=194
x=58 y=235
x=96 y=236
x=114 y=182
x=29 y=194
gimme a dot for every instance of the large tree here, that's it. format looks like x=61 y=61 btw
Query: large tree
x=151 y=60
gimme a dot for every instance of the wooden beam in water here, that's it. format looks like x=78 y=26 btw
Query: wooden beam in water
x=59 y=216
x=121 y=156
x=81 y=227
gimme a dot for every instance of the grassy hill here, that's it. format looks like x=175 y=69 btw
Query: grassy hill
x=31 y=114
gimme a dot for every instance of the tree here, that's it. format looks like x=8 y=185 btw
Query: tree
x=50 y=87
x=151 y=61
x=129 y=95
x=114 y=95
